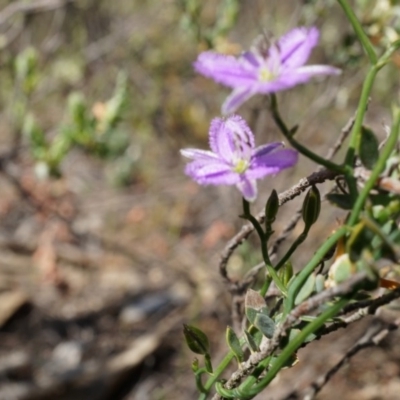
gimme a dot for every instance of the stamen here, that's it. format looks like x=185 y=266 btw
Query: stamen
x=241 y=166
x=265 y=75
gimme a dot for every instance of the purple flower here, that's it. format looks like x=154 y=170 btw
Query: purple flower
x=256 y=71
x=234 y=159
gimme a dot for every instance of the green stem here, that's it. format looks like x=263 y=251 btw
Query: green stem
x=266 y=285
x=217 y=372
x=252 y=379
x=199 y=383
x=302 y=237
x=363 y=38
x=279 y=284
x=257 y=226
x=291 y=348
x=299 y=147
x=301 y=278
x=355 y=135
x=264 y=246
x=379 y=167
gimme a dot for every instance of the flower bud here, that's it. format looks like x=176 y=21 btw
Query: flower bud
x=311 y=206
x=271 y=208
x=196 y=339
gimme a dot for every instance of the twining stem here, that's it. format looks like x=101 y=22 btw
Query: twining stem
x=292 y=346
x=379 y=167
x=299 y=147
x=362 y=37
x=303 y=275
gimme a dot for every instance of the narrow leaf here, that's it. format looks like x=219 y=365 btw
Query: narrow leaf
x=265 y=325
x=369 y=148
x=254 y=303
x=234 y=343
x=208 y=365
x=306 y=290
x=251 y=342
x=286 y=273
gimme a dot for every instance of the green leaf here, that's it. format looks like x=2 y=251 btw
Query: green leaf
x=306 y=290
x=207 y=362
x=265 y=325
x=251 y=342
x=319 y=283
x=286 y=273
x=234 y=344
x=369 y=148
x=196 y=339
x=343 y=201
x=254 y=304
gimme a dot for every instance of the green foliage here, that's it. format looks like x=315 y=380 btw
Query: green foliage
x=369 y=148
x=94 y=129
x=234 y=344
x=191 y=22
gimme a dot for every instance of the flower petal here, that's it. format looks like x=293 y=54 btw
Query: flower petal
x=253 y=58
x=292 y=77
x=222 y=141
x=211 y=173
x=241 y=130
x=196 y=154
x=266 y=148
x=231 y=139
x=248 y=188
x=228 y=70
x=236 y=99
x=271 y=163
x=296 y=46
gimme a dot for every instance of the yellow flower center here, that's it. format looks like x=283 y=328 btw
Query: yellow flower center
x=241 y=166
x=265 y=75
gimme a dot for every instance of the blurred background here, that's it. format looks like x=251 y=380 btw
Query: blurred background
x=106 y=247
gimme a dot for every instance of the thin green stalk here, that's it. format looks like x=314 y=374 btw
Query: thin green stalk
x=217 y=372
x=301 y=238
x=363 y=38
x=299 y=147
x=279 y=284
x=266 y=285
x=379 y=167
x=252 y=379
x=292 y=346
x=355 y=135
x=257 y=226
x=264 y=246
x=309 y=268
